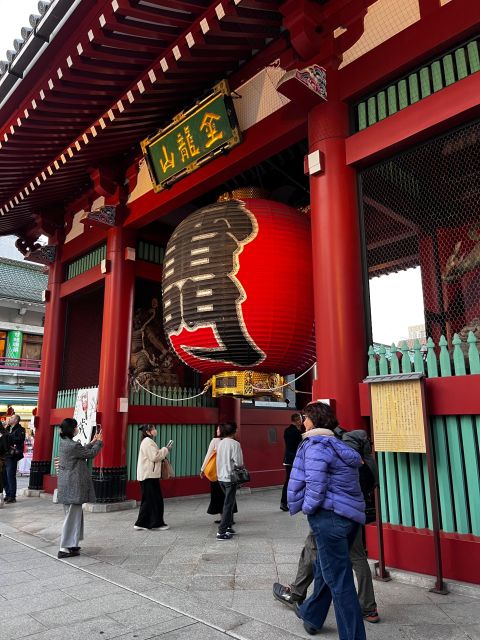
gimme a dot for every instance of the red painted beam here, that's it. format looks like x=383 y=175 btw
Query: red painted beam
x=81 y=282
x=279 y=131
x=89 y=239
x=441 y=111
x=452 y=396
x=57 y=415
x=148 y=271
x=173 y=415
x=412 y=550
x=424 y=39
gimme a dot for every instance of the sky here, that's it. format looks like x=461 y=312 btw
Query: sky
x=396 y=300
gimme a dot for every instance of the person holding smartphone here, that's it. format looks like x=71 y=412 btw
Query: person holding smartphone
x=75 y=485
x=149 y=467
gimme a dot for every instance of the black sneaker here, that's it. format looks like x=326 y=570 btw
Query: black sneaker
x=283 y=594
x=231 y=531
x=224 y=536
x=284 y=507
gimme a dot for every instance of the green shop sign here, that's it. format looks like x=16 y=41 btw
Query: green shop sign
x=14 y=348
x=193 y=138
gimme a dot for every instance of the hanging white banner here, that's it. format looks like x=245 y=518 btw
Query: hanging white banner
x=86 y=414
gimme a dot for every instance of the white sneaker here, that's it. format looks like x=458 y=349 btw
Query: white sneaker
x=164 y=528
x=139 y=528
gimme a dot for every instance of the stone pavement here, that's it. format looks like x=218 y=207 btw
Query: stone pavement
x=182 y=584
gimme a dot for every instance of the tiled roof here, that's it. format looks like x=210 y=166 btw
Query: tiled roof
x=21 y=281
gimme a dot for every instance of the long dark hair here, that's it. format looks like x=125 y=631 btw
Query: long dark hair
x=67 y=428
x=145 y=428
x=322 y=415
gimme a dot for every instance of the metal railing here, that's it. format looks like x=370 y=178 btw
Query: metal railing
x=26 y=364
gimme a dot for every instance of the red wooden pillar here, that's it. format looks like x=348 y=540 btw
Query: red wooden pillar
x=337 y=263
x=52 y=351
x=110 y=472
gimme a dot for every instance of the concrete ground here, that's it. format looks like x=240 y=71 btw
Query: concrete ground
x=182 y=584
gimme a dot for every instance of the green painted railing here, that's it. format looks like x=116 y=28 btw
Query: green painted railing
x=85 y=262
x=404 y=490
x=150 y=252
x=140 y=397
x=419 y=84
x=55 y=449
x=190 y=445
x=66 y=398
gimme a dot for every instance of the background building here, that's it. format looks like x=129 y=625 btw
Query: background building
x=21 y=335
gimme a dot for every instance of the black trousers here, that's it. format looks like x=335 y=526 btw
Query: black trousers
x=288 y=471
x=230 y=490
x=150 y=515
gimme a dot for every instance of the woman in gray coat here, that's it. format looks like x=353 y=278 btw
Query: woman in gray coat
x=75 y=485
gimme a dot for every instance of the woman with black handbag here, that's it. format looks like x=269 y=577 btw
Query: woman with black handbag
x=229 y=456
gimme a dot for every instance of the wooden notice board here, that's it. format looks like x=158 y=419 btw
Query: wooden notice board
x=398 y=413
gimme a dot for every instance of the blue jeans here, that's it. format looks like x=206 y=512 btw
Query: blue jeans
x=334 y=536
x=10 y=477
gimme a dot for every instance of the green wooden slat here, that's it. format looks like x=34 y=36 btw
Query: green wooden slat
x=382 y=105
x=402 y=94
x=437 y=79
x=392 y=488
x=448 y=69
x=392 y=100
x=372 y=111
x=413 y=88
x=382 y=363
x=372 y=363
x=394 y=362
x=418 y=493
x=383 y=487
x=473 y=355
x=443 y=476
x=455 y=454
x=418 y=364
x=461 y=63
x=473 y=57
x=425 y=88
x=406 y=363
x=432 y=366
x=470 y=428
x=426 y=488
x=405 y=489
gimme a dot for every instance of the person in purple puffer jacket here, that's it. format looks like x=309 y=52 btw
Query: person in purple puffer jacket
x=325 y=485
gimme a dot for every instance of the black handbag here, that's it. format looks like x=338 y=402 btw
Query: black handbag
x=239 y=475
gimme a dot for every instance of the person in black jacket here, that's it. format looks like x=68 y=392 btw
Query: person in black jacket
x=16 y=440
x=293 y=437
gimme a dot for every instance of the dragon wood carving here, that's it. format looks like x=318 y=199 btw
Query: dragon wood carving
x=457 y=265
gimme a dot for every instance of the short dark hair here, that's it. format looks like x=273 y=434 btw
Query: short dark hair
x=227 y=429
x=67 y=428
x=145 y=428
x=295 y=416
x=322 y=415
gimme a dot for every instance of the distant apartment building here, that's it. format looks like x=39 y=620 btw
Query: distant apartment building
x=21 y=335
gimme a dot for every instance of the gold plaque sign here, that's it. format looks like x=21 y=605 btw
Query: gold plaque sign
x=398 y=414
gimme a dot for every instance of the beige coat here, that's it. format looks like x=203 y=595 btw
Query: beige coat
x=150 y=458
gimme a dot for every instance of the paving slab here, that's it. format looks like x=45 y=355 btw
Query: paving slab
x=183 y=584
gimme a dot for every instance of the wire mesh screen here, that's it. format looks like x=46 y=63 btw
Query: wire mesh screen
x=422 y=209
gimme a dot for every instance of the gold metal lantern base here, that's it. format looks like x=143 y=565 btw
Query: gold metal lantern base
x=248 y=384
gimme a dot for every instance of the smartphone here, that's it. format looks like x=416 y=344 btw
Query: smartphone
x=98 y=428
x=170 y=444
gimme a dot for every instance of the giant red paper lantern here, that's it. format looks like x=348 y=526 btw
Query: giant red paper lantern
x=237 y=288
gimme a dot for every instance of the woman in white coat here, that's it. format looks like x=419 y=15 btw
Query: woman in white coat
x=149 y=468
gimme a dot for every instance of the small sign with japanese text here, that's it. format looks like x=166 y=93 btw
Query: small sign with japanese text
x=398 y=414
x=193 y=138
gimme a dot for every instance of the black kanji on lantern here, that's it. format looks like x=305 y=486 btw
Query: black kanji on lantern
x=200 y=288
